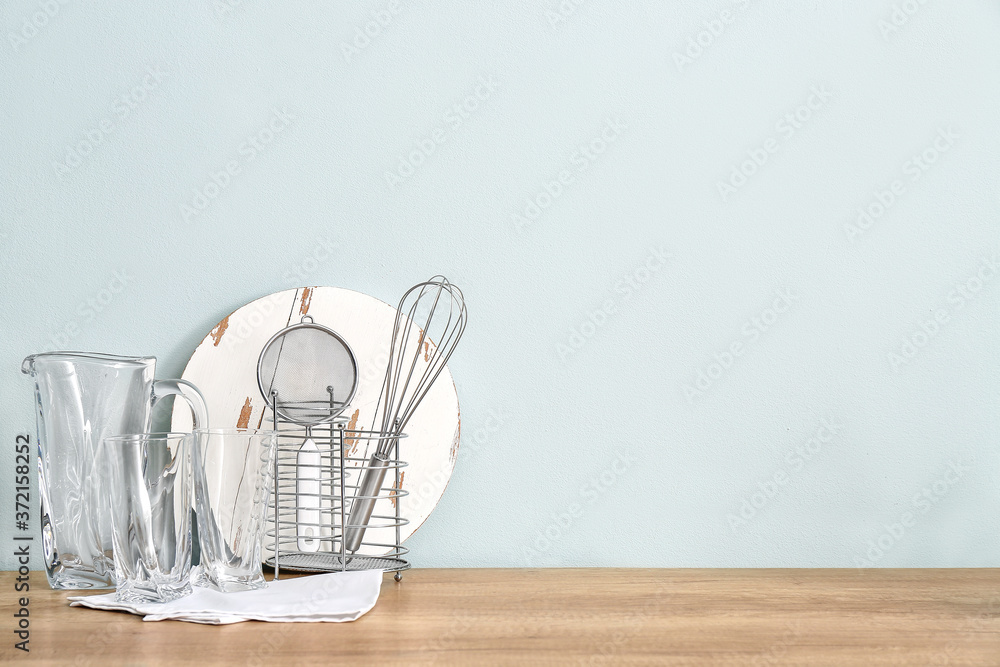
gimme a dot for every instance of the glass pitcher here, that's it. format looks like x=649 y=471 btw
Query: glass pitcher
x=82 y=398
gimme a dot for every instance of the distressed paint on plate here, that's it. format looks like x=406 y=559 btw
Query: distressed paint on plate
x=224 y=368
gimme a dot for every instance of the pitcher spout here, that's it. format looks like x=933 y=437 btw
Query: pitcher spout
x=28 y=366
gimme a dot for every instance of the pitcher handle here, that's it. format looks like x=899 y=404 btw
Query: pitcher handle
x=189 y=393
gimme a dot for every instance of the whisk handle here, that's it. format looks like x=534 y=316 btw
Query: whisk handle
x=364 y=503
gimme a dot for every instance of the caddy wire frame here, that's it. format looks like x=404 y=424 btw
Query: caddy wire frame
x=336 y=494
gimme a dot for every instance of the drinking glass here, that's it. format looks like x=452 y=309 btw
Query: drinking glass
x=233 y=477
x=149 y=479
x=80 y=399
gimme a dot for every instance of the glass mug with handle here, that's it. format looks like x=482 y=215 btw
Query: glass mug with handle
x=80 y=399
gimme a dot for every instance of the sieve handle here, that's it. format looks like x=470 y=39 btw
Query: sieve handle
x=364 y=502
x=307 y=490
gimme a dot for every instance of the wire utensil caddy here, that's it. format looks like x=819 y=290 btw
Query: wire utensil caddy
x=308 y=375
x=334 y=475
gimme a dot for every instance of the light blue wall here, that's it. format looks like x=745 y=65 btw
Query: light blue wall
x=676 y=467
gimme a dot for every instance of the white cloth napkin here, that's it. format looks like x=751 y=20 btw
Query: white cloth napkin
x=337 y=597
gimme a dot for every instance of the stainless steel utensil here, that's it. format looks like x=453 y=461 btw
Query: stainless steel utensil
x=308 y=375
x=437 y=308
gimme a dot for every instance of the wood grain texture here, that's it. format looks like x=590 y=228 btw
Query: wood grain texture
x=573 y=616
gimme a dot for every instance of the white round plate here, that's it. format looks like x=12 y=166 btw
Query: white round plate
x=224 y=368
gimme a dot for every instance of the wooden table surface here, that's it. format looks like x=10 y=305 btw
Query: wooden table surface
x=572 y=616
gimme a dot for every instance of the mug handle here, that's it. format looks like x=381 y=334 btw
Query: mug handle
x=187 y=391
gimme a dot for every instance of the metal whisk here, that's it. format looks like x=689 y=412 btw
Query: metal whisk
x=437 y=309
